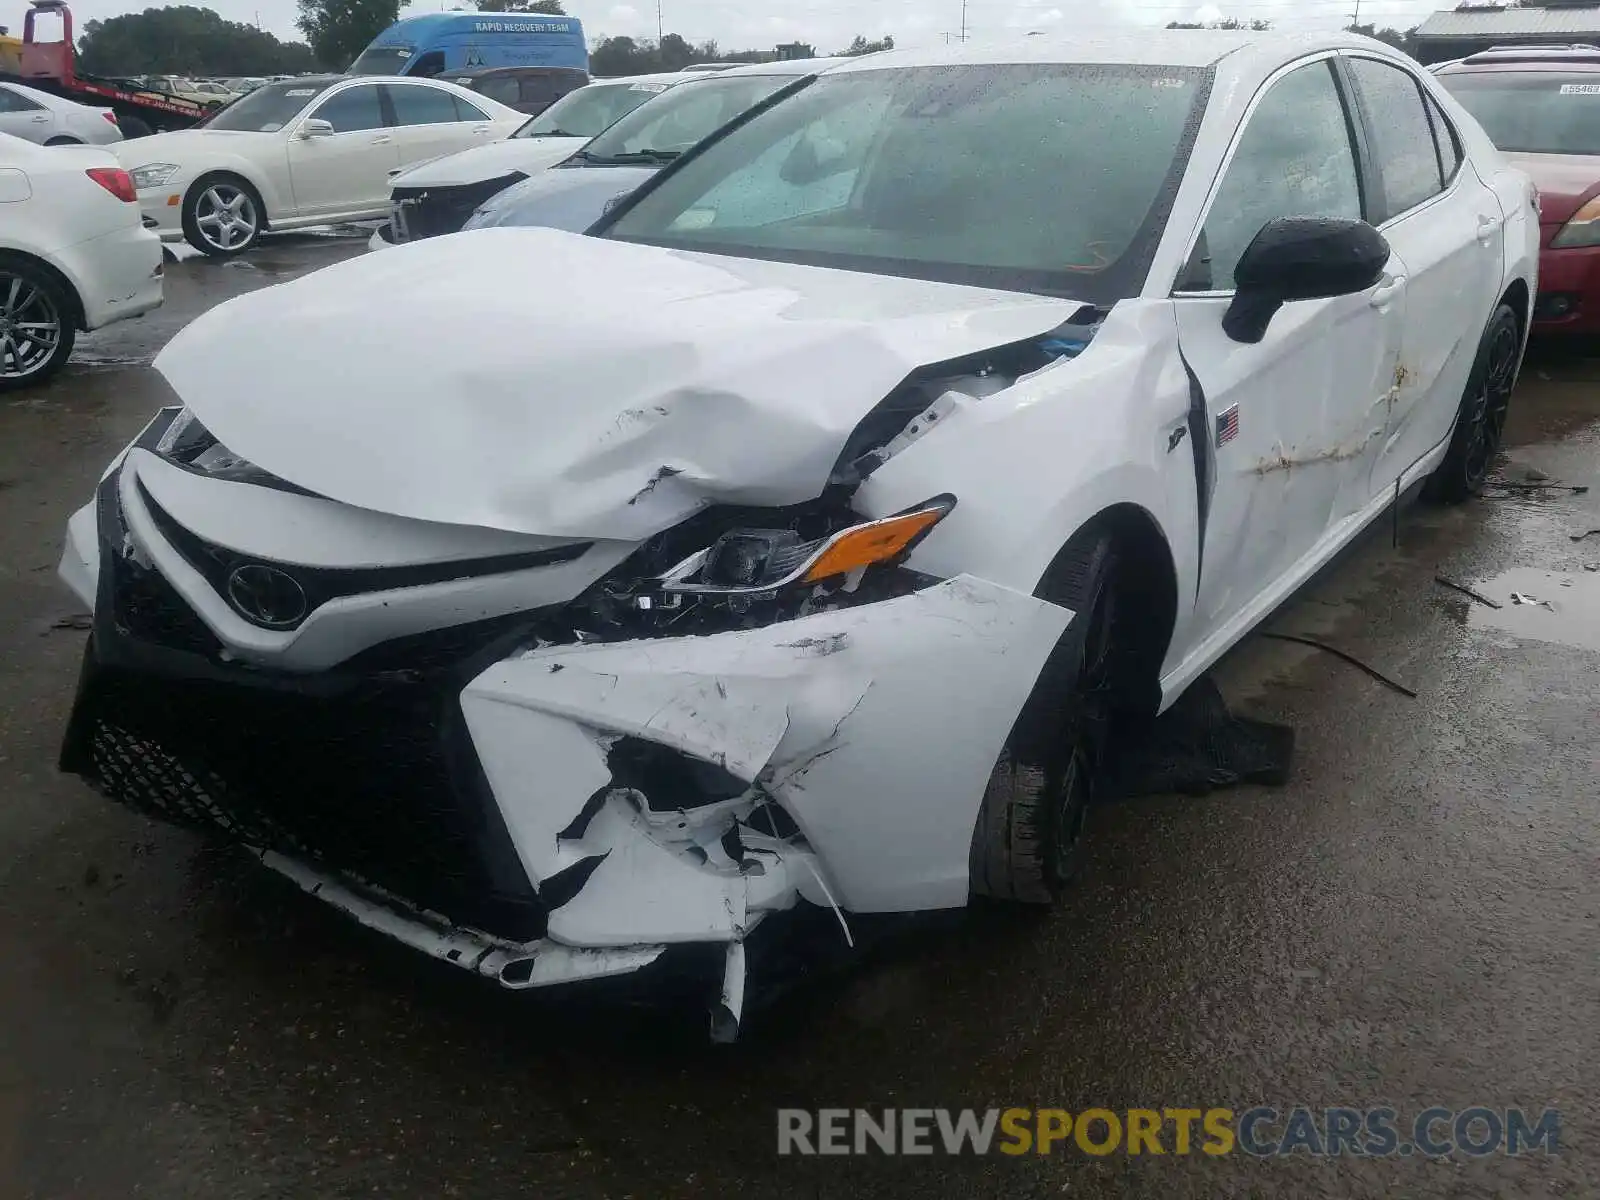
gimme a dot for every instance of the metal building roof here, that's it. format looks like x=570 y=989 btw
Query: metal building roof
x=1513 y=22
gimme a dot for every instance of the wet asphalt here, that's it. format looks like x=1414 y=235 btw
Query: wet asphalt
x=1414 y=920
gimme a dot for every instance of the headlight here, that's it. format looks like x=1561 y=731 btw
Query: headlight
x=750 y=562
x=190 y=445
x=153 y=174
x=1582 y=230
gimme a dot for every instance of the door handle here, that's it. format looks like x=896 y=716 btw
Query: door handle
x=382 y=140
x=1487 y=227
x=1388 y=288
x=41 y=119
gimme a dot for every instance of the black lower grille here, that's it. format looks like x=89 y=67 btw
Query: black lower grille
x=146 y=607
x=431 y=211
x=366 y=769
x=378 y=780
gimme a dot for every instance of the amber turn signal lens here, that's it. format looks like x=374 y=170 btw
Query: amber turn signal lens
x=874 y=543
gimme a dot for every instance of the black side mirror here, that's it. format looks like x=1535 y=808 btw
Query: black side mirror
x=1301 y=258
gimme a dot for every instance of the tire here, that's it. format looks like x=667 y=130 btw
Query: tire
x=1028 y=843
x=63 y=141
x=222 y=215
x=1481 y=420
x=134 y=127
x=37 y=330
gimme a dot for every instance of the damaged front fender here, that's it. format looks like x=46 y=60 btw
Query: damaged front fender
x=839 y=757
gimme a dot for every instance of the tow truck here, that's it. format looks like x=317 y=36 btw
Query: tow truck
x=52 y=67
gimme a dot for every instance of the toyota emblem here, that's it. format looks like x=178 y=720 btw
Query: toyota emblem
x=266 y=596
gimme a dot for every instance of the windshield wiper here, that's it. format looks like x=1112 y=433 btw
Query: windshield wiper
x=554 y=133
x=633 y=156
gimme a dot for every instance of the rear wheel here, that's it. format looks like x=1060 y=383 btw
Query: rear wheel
x=222 y=215
x=36 y=323
x=1028 y=843
x=63 y=141
x=1481 y=422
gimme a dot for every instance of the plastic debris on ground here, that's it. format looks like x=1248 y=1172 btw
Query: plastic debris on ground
x=1195 y=747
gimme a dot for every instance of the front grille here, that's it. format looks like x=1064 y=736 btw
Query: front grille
x=319 y=585
x=377 y=780
x=366 y=769
x=425 y=212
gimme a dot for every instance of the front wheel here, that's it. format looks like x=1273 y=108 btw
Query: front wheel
x=36 y=324
x=222 y=216
x=1481 y=422
x=1028 y=844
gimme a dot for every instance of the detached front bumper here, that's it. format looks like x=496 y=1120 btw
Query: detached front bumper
x=570 y=811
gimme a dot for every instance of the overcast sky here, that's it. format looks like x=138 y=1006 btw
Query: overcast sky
x=830 y=24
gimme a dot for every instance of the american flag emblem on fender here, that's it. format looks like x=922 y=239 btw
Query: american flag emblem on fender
x=1228 y=426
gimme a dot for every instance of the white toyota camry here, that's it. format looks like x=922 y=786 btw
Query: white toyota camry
x=307 y=151
x=790 y=545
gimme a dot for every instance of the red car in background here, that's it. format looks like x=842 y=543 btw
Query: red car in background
x=1541 y=106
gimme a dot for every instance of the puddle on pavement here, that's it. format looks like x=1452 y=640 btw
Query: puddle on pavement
x=1555 y=607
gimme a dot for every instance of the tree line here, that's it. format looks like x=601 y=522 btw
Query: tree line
x=185 y=40
x=615 y=56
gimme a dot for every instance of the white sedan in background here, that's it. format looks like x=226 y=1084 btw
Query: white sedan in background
x=438 y=196
x=776 y=544
x=37 y=116
x=302 y=152
x=73 y=254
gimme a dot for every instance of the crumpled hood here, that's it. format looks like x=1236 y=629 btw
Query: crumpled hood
x=489 y=162
x=445 y=380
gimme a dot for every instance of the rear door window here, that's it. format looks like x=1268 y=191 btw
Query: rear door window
x=1401 y=134
x=1444 y=136
x=12 y=102
x=418 y=104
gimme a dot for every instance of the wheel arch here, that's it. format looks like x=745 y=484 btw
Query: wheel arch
x=74 y=298
x=1521 y=302
x=265 y=196
x=1147 y=578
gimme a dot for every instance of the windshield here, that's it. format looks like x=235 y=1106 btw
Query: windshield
x=1535 y=112
x=587 y=110
x=382 y=60
x=678 y=119
x=268 y=109
x=1038 y=177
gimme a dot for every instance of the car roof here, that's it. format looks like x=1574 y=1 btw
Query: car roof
x=1525 y=58
x=1136 y=46
x=668 y=77
x=786 y=66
